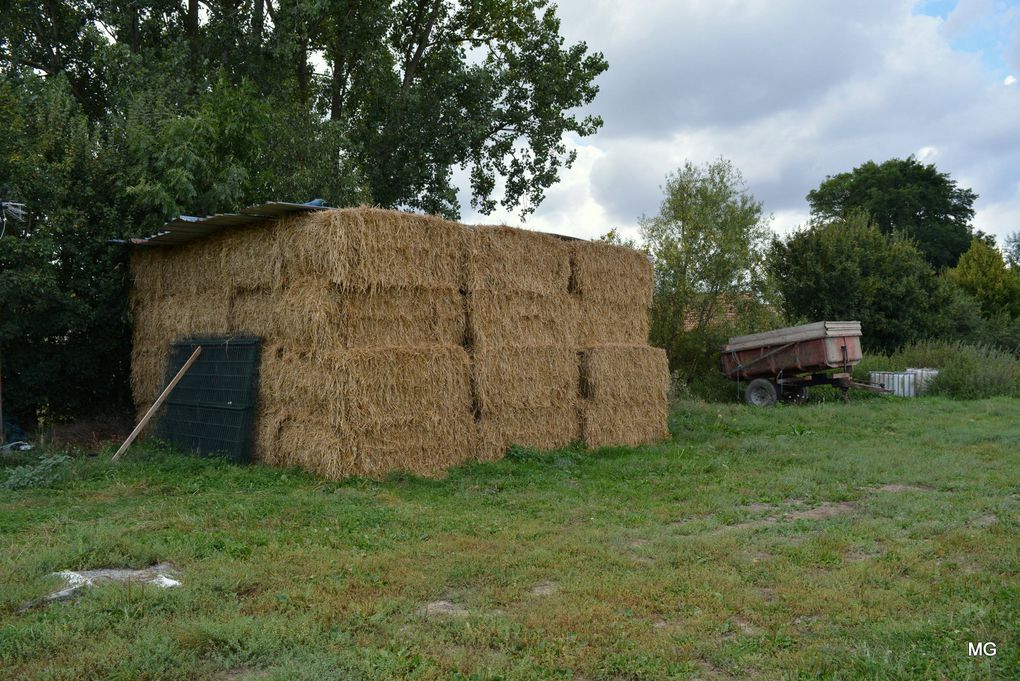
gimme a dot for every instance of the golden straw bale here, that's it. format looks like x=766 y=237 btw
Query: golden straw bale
x=314 y=446
x=608 y=273
x=269 y=420
x=148 y=374
x=149 y=271
x=524 y=377
x=500 y=318
x=316 y=315
x=354 y=387
x=606 y=422
x=249 y=257
x=537 y=427
x=624 y=374
x=366 y=249
x=426 y=445
x=601 y=323
x=507 y=259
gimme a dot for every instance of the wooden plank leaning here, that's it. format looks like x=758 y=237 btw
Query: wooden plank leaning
x=157 y=404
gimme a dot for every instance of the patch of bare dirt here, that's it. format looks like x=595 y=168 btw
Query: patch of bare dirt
x=896 y=487
x=545 y=589
x=242 y=673
x=985 y=521
x=443 y=609
x=828 y=509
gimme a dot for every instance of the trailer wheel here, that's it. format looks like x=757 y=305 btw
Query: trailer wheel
x=761 y=392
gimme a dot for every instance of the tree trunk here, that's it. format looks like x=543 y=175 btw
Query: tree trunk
x=257 y=20
x=301 y=68
x=191 y=25
x=338 y=91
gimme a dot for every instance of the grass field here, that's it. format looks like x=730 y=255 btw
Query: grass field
x=864 y=541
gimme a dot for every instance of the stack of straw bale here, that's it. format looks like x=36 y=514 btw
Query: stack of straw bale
x=521 y=329
x=623 y=380
x=362 y=322
x=398 y=341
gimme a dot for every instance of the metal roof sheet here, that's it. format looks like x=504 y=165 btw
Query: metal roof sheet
x=186 y=228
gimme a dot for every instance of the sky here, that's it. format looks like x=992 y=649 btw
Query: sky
x=789 y=91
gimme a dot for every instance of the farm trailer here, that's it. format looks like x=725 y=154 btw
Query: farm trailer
x=785 y=363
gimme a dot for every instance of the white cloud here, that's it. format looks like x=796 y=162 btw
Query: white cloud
x=1008 y=80
x=790 y=92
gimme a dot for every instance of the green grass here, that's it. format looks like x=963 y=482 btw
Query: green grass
x=755 y=544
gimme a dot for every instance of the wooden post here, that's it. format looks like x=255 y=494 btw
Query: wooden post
x=157 y=404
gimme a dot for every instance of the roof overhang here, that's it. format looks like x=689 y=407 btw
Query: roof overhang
x=186 y=228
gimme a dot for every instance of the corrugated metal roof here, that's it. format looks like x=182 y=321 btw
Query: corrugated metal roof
x=185 y=228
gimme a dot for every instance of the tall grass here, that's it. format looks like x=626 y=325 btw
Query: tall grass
x=966 y=371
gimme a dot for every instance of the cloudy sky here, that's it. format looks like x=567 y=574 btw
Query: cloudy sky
x=790 y=91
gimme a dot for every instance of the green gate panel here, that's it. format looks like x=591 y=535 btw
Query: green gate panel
x=212 y=409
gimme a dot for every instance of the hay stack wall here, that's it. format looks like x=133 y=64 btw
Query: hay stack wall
x=393 y=341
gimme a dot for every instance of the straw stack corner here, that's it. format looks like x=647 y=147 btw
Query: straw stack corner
x=395 y=341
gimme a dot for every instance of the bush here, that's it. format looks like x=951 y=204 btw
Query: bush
x=46 y=472
x=966 y=370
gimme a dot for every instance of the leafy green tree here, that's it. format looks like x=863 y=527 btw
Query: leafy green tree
x=708 y=242
x=1011 y=247
x=848 y=269
x=62 y=289
x=121 y=114
x=984 y=274
x=903 y=195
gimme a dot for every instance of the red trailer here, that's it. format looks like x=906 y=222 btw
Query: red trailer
x=784 y=363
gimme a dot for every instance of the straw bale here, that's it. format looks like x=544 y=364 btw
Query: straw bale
x=607 y=273
x=149 y=268
x=314 y=446
x=501 y=318
x=249 y=257
x=148 y=372
x=525 y=377
x=507 y=259
x=269 y=420
x=624 y=374
x=606 y=422
x=312 y=314
x=538 y=427
x=374 y=386
x=366 y=249
x=425 y=444
x=600 y=323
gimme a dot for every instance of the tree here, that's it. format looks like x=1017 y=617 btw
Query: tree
x=708 y=243
x=848 y=269
x=413 y=88
x=1012 y=251
x=983 y=273
x=903 y=195
x=120 y=115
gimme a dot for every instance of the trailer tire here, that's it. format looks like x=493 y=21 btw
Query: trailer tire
x=761 y=392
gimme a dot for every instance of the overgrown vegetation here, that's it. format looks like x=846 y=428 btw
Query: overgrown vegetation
x=966 y=371
x=871 y=540
x=708 y=243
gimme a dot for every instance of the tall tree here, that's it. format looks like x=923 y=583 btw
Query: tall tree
x=907 y=196
x=708 y=243
x=123 y=113
x=849 y=269
x=984 y=274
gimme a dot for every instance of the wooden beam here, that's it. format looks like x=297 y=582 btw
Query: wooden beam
x=157 y=404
